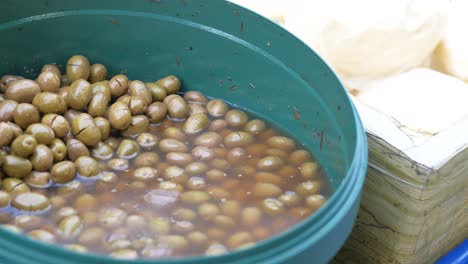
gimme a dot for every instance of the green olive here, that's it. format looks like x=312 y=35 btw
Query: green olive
x=102 y=151
x=28 y=221
x=104 y=127
x=145 y=174
x=49 y=81
x=136 y=104
x=197 y=109
x=236 y=118
x=195 y=124
x=6 y=134
x=290 y=198
x=224 y=222
x=98 y=104
x=160 y=225
x=216 y=175
x=263 y=190
x=147 y=141
x=16 y=167
x=138 y=125
x=88 y=167
x=208 y=139
x=309 y=170
x=250 y=216
x=119 y=116
x=238 y=139
x=70 y=190
x=267 y=177
x=175 y=174
x=118 y=85
x=14 y=186
x=17 y=131
x=203 y=153
x=41 y=132
x=196 y=168
x=71 y=114
x=174 y=133
x=70 y=227
x=63 y=212
x=195 y=97
x=156 y=112
x=255 y=126
x=7 y=79
x=63 y=172
x=194 y=197
x=177 y=108
x=107 y=179
x=112 y=217
x=128 y=149
x=85 y=130
x=170 y=83
x=239 y=239
x=38 y=179
x=79 y=94
x=42 y=235
x=183 y=227
x=97 y=73
x=77 y=68
x=5 y=199
x=215 y=249
x=7 y=109
x=58 y=123
x=217 y=108
x=172 y=145
x=92 y=236
x=208 y=211
x=52 y=68
x=101 y=87
x=59 y=150
x=270 y=163
x=48 y=102
x=178 y=158
x=25 y=115
x=76 y=149
x=146 y=159
x=157 y=92
x=63 y=92
x=118 y=164
x=22 y=91
x=42 y=158
x=176 y=242
x=236 y=155
x=273 y=206
x=299 y=156
x=138 y=88
x=30 y=201
x=280 y=142
x=308 y=188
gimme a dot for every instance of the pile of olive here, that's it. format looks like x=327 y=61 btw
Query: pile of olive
x=134 y=169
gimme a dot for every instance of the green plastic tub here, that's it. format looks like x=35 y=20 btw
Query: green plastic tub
x=224 y=51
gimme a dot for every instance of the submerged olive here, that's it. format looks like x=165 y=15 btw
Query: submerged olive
x=77 y=68
x=195 y=124
x=236 y=118
x=63 y=172
x=38 y=179
x=25 y=115
x=16 y=167
x=217 y=108
x=156 y=112
x=127 y=149
x=172 y=145
x=88 y=167
x=49 y=81
x=48 y=102
x=174 y=133
x=197 y=109
x=280 y=142
x=238 y=139
x=30 y=201
x=22 y=91
x=97 y=73
x=58 y=123
x=118 y=85
x=42 y=158
x=7 y=109
x=76 y=149
x=102 y=151
x=177 y=108
x=85 y=130
x=5 y=199
x=147 y=141
x=145 y=174
x=146 y=159
x=6 y=134
x=138 y=88
x=255 y=126
x=42 y=235
x=170 y=83
x=70 y=227
x=79 y=94
x=208 y=139
x=119 y=116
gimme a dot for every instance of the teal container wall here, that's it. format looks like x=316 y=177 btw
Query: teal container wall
x=224 y=51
